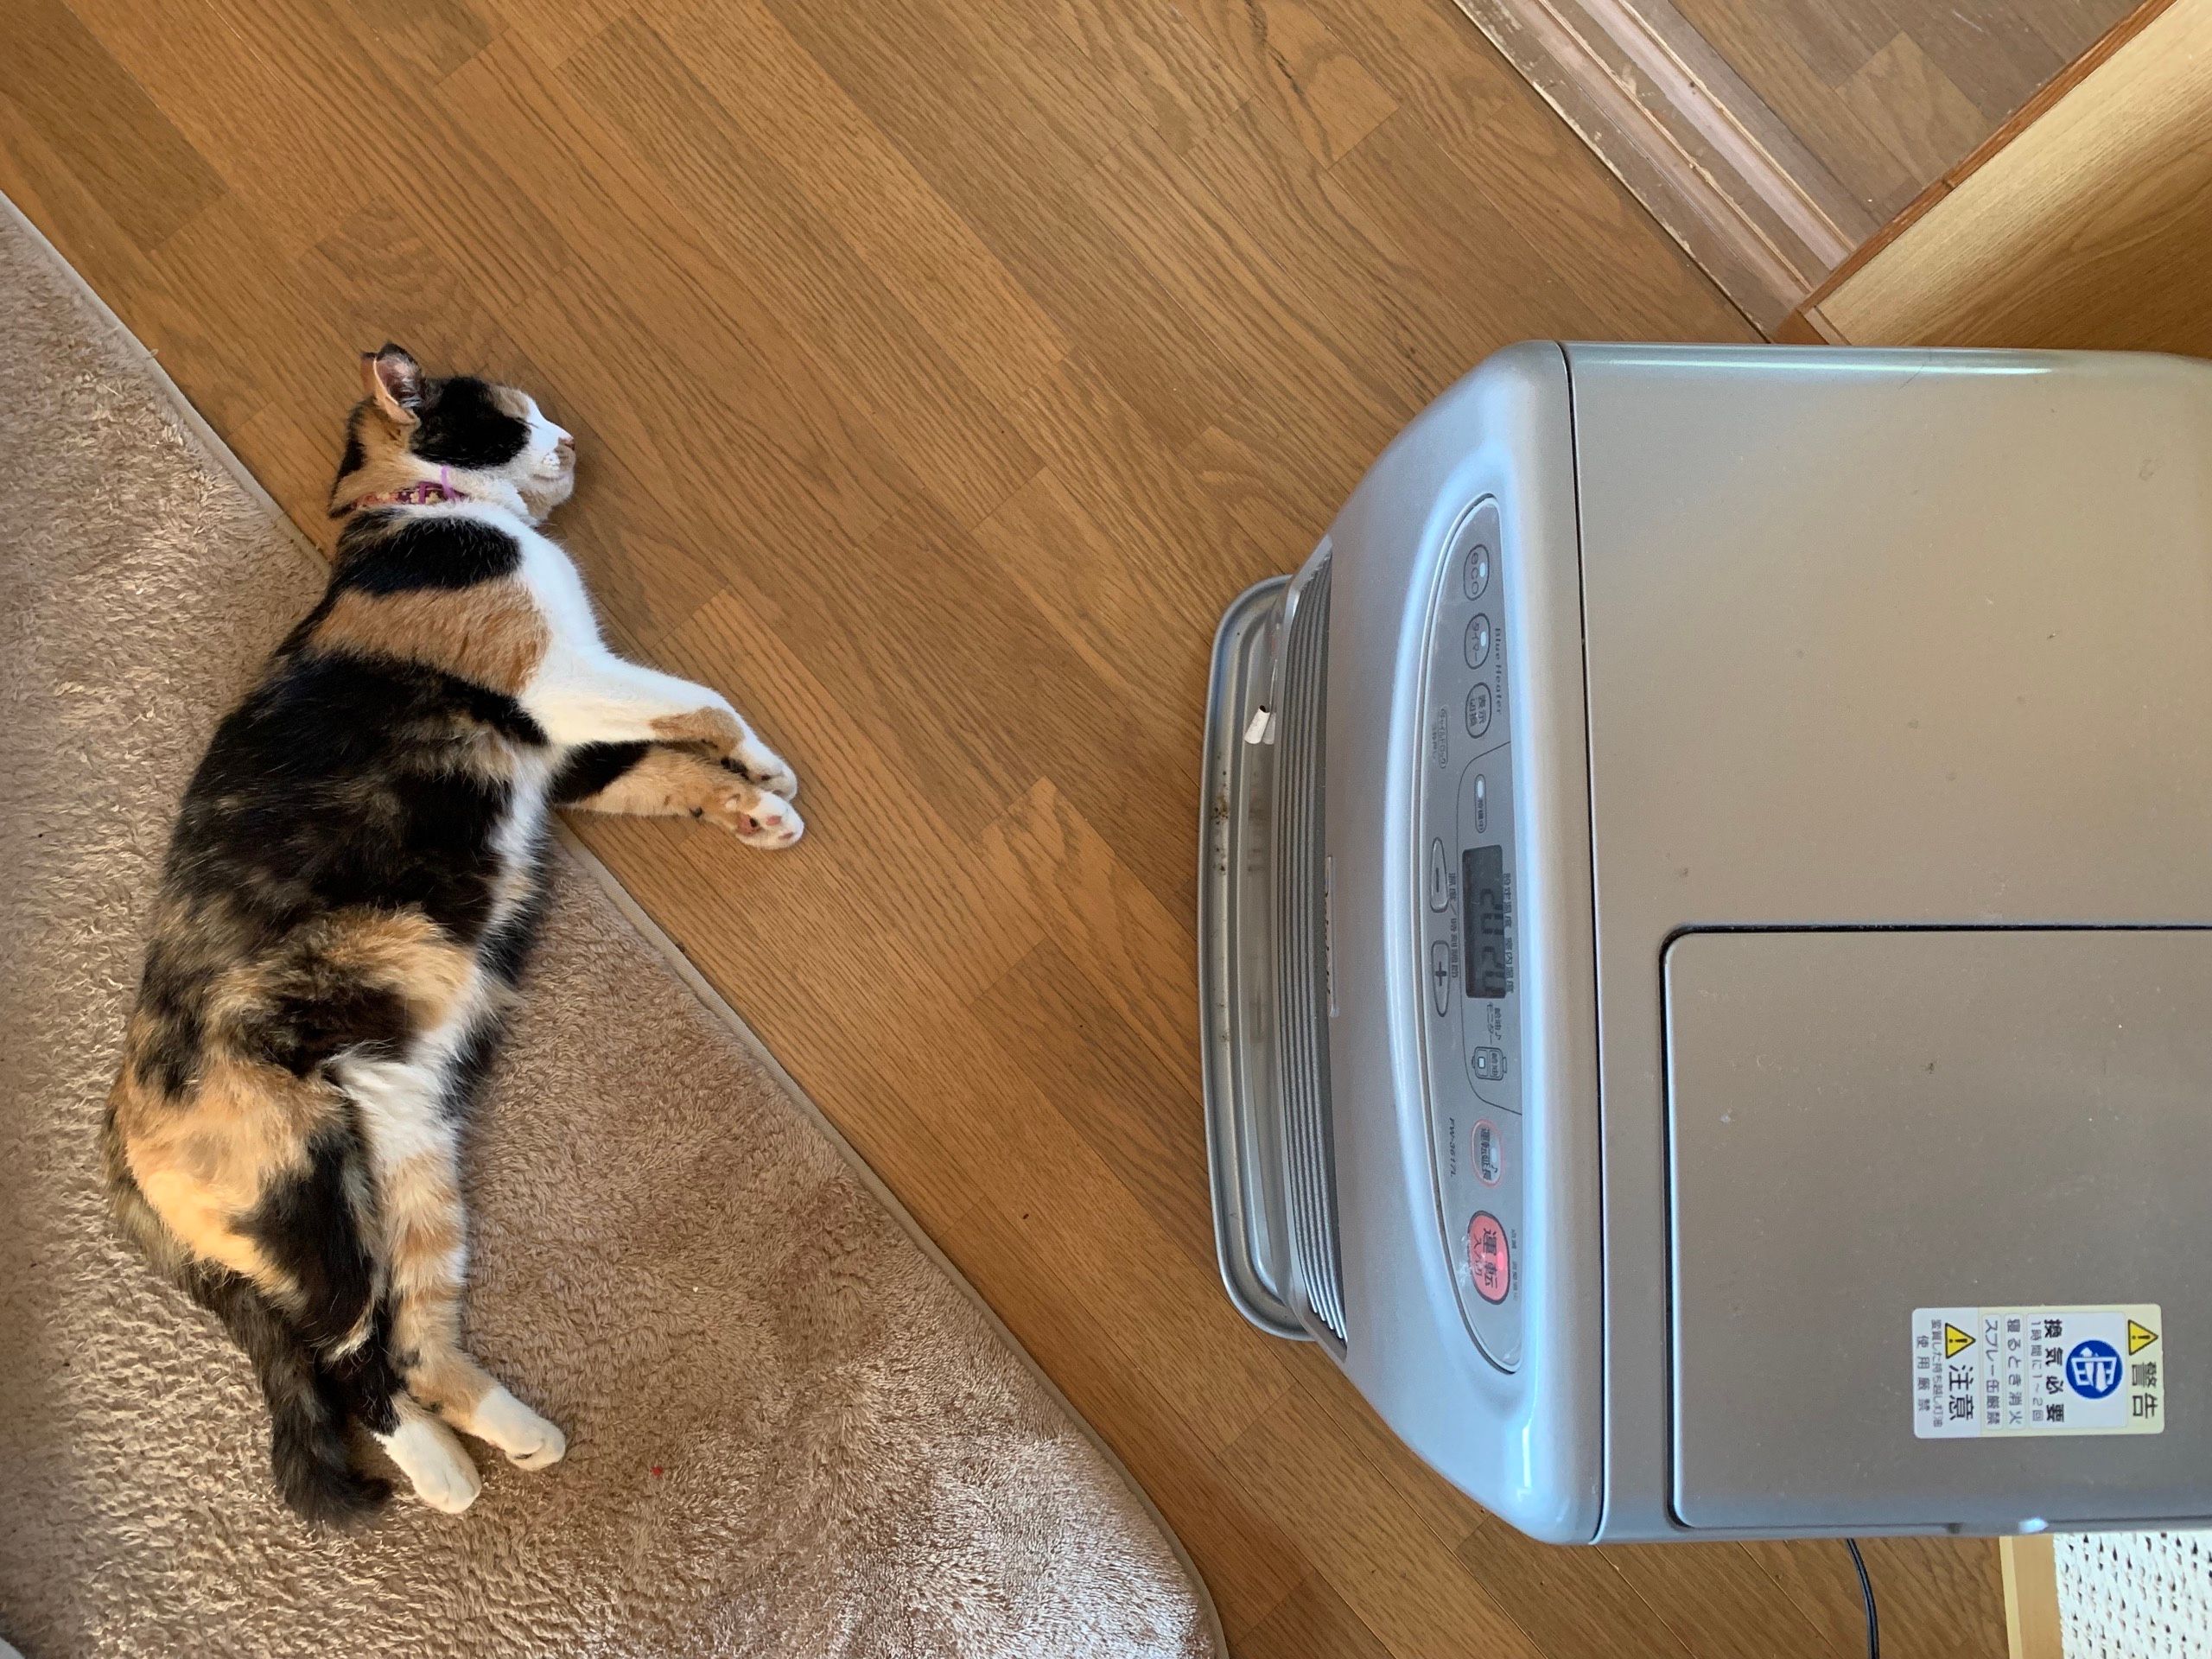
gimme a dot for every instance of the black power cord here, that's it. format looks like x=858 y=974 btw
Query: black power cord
x=1867 y=1591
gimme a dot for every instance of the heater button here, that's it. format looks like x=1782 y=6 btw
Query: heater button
x=1490 y=1258
x=1476 y=644
x=1490 y=1152
x=1478 y=570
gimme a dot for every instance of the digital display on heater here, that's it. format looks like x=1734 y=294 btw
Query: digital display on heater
x=1482 y=878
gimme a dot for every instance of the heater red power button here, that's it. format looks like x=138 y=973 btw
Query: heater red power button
x=1490 y=1259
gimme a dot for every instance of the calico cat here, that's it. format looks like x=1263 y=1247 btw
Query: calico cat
x=347 y=902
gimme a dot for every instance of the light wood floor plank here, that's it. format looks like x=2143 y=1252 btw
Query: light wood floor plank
x=794 y=264
x=1312 y=1623
x=929 y=256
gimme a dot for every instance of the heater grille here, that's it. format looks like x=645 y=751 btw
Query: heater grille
x=1300 y=877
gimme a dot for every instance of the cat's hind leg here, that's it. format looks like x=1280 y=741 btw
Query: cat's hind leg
x=414 y=1147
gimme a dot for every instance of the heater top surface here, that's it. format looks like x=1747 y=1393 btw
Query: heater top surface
x=1906 y=1170
x=1881 y=641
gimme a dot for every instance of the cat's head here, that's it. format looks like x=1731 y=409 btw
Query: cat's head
x=475 y=438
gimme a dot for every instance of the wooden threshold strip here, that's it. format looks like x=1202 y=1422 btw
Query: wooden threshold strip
x=1689 y=138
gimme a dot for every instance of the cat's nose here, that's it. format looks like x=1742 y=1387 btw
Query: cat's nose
x=565 y=450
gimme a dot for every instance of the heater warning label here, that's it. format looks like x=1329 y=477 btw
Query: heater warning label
x=1980 y=1371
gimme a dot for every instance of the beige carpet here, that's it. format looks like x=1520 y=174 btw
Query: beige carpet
x=790 y=1431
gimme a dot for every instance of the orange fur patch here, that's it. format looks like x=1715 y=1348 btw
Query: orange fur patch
x=204 y=1164
x=423 y=1233
x=402 y=951
x=388 y=468
x=420 y=1202
x=491 y=633
x=717 y=728
x=666 y=783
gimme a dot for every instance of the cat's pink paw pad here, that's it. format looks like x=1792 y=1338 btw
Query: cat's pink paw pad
x=772 y=823
x=756 y=816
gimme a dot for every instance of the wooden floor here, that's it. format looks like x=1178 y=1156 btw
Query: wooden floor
x=2087 y=231
x=940 y=370
x=1888 y=94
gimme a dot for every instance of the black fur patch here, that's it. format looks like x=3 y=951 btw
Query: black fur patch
x=335 y=783
x=366 y=1381
x=464 y=426
x=307 y=1440
x=317 y=1014
x=472 y=1070
x=305 y=1226
x=168 y=996
x=382 y=552
x=505 y=950
x=591 y=768
x=348 y=463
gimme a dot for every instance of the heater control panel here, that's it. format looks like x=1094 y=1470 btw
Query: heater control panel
x=1471 y=1012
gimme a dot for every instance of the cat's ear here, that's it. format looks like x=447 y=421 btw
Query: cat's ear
x=393 y=381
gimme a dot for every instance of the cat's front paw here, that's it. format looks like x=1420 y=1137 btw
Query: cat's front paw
x=758 y=765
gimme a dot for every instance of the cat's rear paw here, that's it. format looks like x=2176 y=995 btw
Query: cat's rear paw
x=552 y=1446
x=434 y=1463
x=528 y=1440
